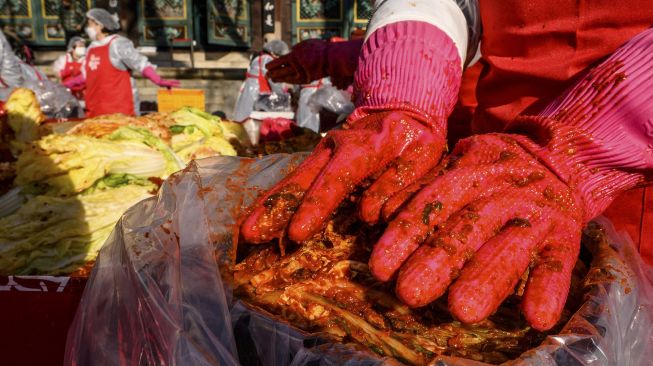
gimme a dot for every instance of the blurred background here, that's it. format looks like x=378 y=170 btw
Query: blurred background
x=205 y=44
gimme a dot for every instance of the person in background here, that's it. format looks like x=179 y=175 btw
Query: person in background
x=71 y=18
x=257 y=82
x=15 y=72
x=11 y=73
x=69 y=65
x=107 y=69
x=306 y=117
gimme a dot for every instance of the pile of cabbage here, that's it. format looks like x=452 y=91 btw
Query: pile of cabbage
x=73 y=180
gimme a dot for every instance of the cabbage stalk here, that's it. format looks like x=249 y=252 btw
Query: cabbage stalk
x=56 y=235
x=65 y=164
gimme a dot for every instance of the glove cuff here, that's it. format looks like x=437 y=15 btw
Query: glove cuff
x=409 y=63
x=578 y=160
x=150 y=73
x=439 y=130
x=600 y=131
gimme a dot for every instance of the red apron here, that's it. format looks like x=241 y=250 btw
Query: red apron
x=70 y=70
x=533 y=50
x=263 y=84
x=108 y=89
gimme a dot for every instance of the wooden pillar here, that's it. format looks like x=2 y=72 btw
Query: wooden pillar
x=257 y=28
x=285 y=9
x=129 y=19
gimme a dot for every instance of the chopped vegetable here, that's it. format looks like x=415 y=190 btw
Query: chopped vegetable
x=24 y=114
x=208 y=124
x=207 y=147
x=129 y=133
x=73 y=184
x=56 y=235
x=11 y=201
x=66 y=165
x=234 y=131
x=324 y=286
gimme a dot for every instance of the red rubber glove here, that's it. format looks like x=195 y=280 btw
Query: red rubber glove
x=151 y=74
x=75 y=82
x=315 y=59
x=504 y=202
x=69 y=72
x=408 y=80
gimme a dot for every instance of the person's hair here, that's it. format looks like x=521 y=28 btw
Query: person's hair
x=76 y=43
x=220 y=114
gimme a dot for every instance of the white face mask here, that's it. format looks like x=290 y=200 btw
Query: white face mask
x=80 y=51
x=92 y=33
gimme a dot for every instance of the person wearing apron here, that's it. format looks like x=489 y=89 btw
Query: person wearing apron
x=108 y=67
x=69 y=65
x=256 y=82
x=561 y=130
x=11 y=74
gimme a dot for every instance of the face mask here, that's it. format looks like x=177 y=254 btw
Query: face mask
x=80 y=51
x=92 y=33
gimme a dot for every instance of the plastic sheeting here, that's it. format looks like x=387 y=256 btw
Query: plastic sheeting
x=156 y=296
x=250 y=90
x=55 y=100
x=308 y=116
x=333 y=100
x=11 y=74
x=273 y=102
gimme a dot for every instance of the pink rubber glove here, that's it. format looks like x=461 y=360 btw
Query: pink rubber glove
x=315 y=59
x=504 y=202
x=150 y=73
x=75 y=82
x=409 y=74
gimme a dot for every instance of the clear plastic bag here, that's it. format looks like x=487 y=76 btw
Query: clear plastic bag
x=273 y=102
x=55 y=100
x=307 y=117
x=333 y=100
x=156 y=296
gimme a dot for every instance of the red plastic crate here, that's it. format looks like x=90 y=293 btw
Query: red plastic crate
x=35 y=313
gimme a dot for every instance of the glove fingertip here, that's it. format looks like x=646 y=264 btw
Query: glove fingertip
x=417 y=284
x=539 y=319
x=369 y=209
x=302 y=228
x=379 y=270
x=466 y=305
x=250 y=230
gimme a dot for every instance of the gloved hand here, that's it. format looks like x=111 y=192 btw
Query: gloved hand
x=408 y=80
x=75 y=82
x=503 y=202
x=315 y=59
x=150 y=73
x=395 y=146
x=68 y=72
